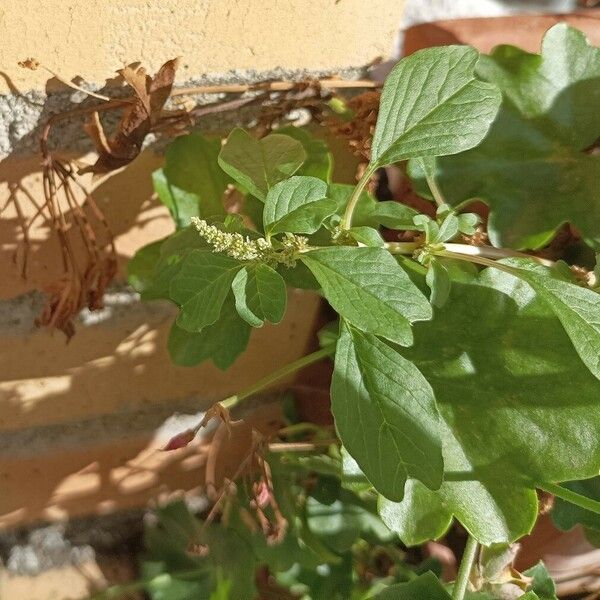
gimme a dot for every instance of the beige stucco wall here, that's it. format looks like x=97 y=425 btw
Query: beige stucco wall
x=92 y=38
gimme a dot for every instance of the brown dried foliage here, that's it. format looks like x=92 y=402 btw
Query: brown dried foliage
x=144 y=111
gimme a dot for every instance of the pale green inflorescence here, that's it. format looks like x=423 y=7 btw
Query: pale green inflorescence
x=243 y=248
x=233 y=244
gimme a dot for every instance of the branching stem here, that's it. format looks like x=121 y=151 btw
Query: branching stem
x=464 y=571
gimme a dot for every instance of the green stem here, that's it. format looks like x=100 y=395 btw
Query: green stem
x=464 y=571
x=351 y=206
x=268 y=380
x=433 y=186
x=407 y=248
x=571 y=497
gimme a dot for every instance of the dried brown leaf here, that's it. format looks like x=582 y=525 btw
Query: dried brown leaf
x=150 y=95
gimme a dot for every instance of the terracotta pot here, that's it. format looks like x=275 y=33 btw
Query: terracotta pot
x=525 y=31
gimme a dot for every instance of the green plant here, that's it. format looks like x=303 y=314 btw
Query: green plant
x=465 y=375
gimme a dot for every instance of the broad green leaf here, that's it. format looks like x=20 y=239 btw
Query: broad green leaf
x=140 y=269
x=154 y=282
x=367 y=287
x=297 y=205
x=222 y=342
x=319 y=160
x=367 y=236
x=191 y=183
x=352 y=477
x=542 y=585
x=533 y=168
x=425 y=587
x=432 y=105
x=259 y=164
x=449 y=228
x=517 y=406
x=566 y=515
x=578 y=308
x=421 y=517
x=260 y=295
x=341 y=523
x=392 y=215
x=201 y=286
x=385 y=414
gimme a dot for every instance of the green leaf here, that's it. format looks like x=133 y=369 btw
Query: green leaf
x=421 y=517
x=319 y=161
x=259 y=164
x=341 y=523
x=438 y=281
x=385 y=414
x=516 y=405
x=578 y=308
x=432 y=105
x=222 y=342
x=449 y=228
x=191 y=184
x=201 y=286
x=533 y=168
x=367 y=236
x=154 y=282
x=140 y=269
x=566 y=515
x=260 y=295
x=542 y=585
x=425 y=587
x=368 y=288
x=297 y=205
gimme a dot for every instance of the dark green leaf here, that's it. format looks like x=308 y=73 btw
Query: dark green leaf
x=420 y=517
x=341 y=523
x=222 y=342
x=385 y=414
x=532 y=168
x=297 y=205
x=191 y=183
x=566 y=515
x=517 y=406
x=260 y=295
x=140 y=269
x=369 y=289
x=425 y=587
x=432 y=105
x=578 y=308
x=319 y=161
x=201 y=286
x=259 y=164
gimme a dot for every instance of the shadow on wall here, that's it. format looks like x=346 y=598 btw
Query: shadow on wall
x=110 y=476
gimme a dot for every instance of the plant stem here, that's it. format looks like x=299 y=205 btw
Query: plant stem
x=571 y=497
x=433 y=186
x=351 y=206
x=494 y=253
x=407 y=248
x=464 y=571
x=268 y=380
